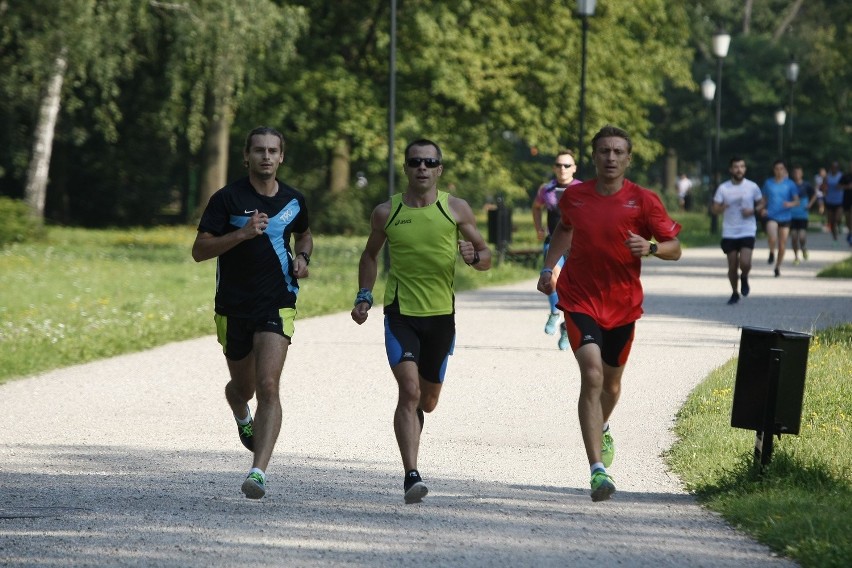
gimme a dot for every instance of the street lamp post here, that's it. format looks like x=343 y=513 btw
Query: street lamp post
x=792 y=73
x=708 y=91
x=585 y=8
x=720 y=43
x=780 y=118
x=391 y=120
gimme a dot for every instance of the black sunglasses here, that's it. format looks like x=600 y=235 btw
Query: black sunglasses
x=566 y=166
x=429 y=162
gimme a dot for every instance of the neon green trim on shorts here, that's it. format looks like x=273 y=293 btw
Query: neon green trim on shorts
x=288 y=319
x=221 y=330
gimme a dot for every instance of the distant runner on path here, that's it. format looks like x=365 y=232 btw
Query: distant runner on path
x=547 y=198
x=607 y=226
x=247 y=226
x=425 y=229
x=739 y=201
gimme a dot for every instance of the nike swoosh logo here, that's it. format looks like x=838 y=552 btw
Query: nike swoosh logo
x=250 y=212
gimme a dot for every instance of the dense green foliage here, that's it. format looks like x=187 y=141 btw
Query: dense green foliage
x=495 y=83
x=18 y=225
x=801 y=503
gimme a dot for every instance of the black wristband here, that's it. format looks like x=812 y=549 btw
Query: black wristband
x=306 y=256
x=475 y=259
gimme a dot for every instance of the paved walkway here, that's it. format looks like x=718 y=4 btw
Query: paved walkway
x=134 y=461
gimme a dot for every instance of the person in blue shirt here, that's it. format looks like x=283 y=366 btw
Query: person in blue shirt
x=834 y=199
x=845 y=184
x=799 y=223
x=780 y=195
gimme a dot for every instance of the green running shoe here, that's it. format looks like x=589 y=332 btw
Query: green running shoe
x=246 y=432
x=254 y=486
x=602 y=485
x=607 y=448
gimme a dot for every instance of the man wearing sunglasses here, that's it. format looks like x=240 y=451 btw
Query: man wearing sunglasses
x=547 y=197
x=426 y=229
x=608 y=224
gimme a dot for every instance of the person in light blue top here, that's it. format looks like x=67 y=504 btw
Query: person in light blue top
x=780 y=195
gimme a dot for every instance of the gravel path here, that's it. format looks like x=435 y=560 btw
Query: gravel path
x=134 y=461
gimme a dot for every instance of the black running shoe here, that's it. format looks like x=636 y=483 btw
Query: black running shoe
x=415 y=489
x=733 y=299
x=777 y=272
x=771 y=258
x=744 y=287
x=246 y=432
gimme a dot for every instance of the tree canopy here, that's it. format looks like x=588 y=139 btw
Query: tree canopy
x=156 y=96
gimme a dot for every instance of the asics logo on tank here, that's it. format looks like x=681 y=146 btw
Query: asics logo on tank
x=402 y=222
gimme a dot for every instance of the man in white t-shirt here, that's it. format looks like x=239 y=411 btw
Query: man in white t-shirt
x=739 y=199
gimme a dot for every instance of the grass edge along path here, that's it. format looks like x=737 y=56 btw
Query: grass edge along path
x=78 y=295
x=801 y=504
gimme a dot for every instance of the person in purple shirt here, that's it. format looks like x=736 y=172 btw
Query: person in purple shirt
x=547 y=199
x=780 y=195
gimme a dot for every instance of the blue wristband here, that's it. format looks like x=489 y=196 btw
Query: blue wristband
x=546 y=270
x=364 y=295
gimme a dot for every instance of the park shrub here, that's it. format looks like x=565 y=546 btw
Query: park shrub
x=341 y=214
x=16 y=223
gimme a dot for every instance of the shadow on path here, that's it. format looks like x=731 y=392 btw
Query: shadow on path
x=169 y=509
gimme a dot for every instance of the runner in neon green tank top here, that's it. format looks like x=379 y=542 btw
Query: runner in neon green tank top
x=426 y=229
x=422 y=244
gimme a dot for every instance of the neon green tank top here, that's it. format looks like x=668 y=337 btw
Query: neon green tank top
x=423 y=245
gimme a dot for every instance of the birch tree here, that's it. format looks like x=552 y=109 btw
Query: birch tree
x=49 y=48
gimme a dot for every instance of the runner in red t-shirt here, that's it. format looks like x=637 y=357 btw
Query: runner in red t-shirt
x=607 y=225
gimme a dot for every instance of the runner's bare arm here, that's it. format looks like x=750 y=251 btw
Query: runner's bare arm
x=368 y=266
x=473 y=248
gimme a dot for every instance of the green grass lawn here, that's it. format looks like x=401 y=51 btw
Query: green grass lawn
x=801 y=504
x=79 y=295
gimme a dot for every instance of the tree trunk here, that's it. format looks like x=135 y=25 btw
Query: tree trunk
x=338 y=179
x=37 y=173
x=214 y=158
x=787 y=21
x=670 y=171
x=749 y=4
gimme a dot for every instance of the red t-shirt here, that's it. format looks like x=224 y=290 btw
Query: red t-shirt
x=600 y=277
